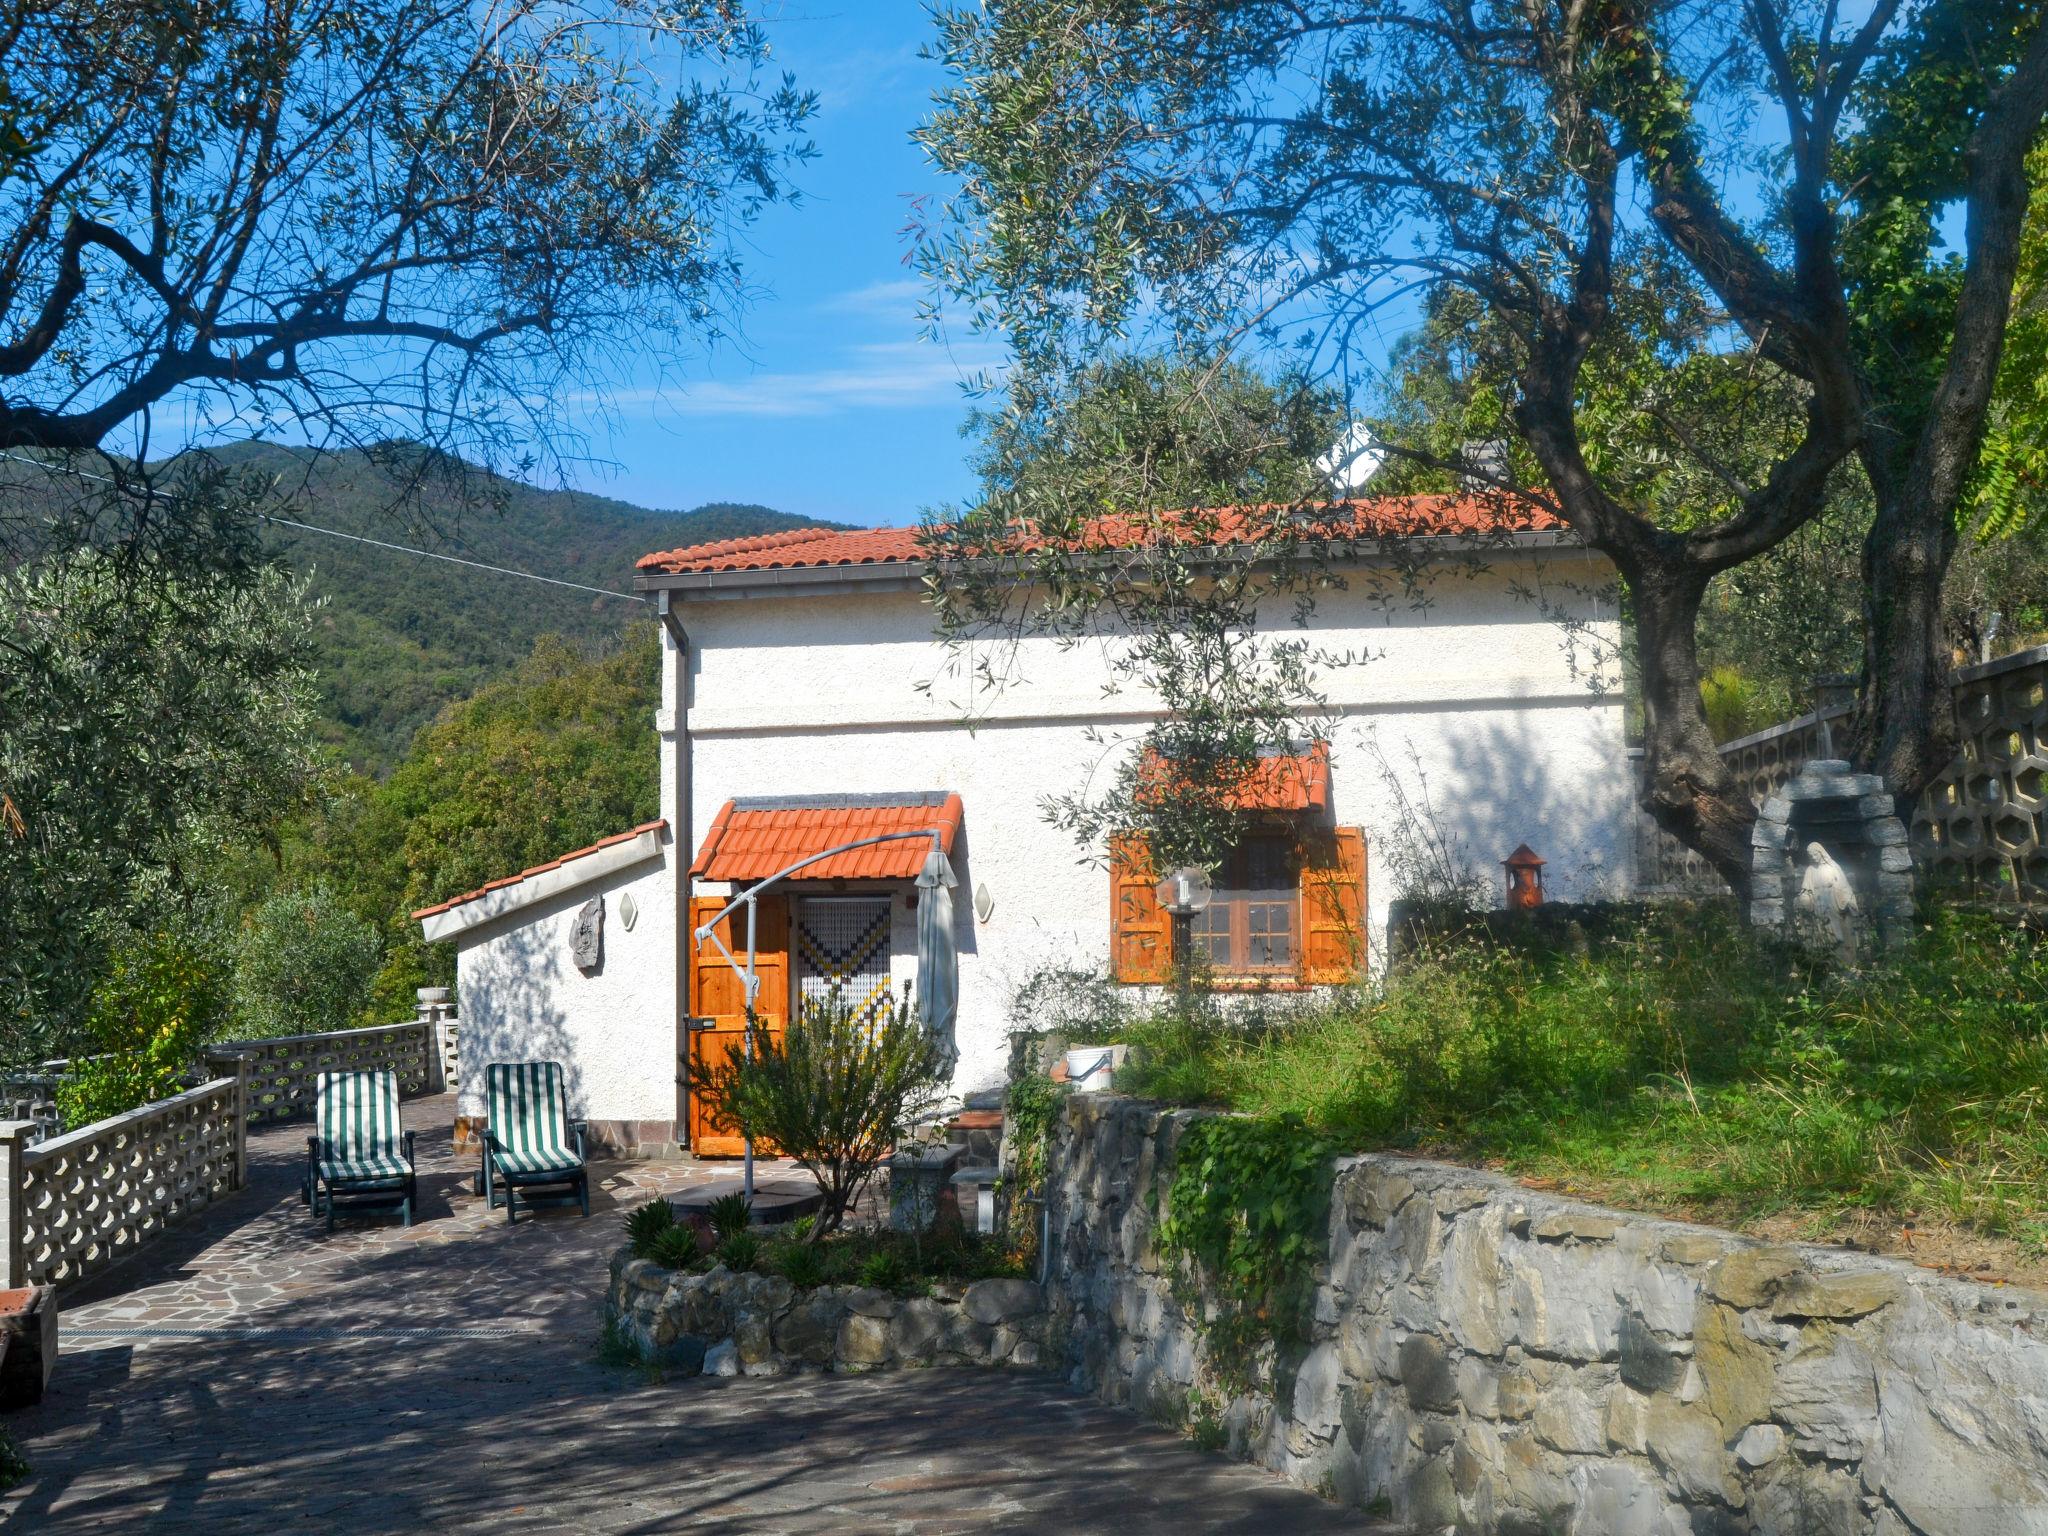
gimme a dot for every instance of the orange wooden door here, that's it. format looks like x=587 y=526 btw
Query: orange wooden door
x=718 y=997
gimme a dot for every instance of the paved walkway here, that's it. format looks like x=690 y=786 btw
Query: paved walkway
x=251 y=1372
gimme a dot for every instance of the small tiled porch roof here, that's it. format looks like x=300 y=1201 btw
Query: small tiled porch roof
x=753 y=838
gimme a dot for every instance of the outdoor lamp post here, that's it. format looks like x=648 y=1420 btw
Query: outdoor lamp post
x=1525 y=878
x=1181 y=895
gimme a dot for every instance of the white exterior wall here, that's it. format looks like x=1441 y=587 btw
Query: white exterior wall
x=818 y=694
x=522 y=998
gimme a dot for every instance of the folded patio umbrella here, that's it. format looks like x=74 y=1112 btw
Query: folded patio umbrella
x=938 y=961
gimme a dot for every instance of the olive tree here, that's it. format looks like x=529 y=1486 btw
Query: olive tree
x=1246 y=174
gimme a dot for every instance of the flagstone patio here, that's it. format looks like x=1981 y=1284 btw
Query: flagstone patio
x=253 y=1372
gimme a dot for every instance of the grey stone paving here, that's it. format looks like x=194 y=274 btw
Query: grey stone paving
x=250 y=1372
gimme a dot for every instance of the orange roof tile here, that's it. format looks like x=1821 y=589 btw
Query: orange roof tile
x=1380 y=517
x=752 y=839
x=1297 y=781
x=540 y=869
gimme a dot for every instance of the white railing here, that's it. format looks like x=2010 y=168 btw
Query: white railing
x=283 y=1070
x=78 y=1202
x=72 y=1204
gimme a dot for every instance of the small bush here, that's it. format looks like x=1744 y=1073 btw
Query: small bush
x=801 y=1265
x=162 y=999
x=837 y=1092
x=740 y=1251
x=14 y=1467
x=730 y=1213
x=674 y=1247
x=882 y=1271
x=645 y=1224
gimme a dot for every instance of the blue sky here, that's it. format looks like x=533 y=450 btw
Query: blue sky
x=830 y=405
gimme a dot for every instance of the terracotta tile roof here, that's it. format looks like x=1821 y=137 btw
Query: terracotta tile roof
x=1298 y=781
x=540 y=869
x=752 y=839
x=1380 y=517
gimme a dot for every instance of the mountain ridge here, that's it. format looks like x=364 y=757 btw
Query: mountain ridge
x=402 y=635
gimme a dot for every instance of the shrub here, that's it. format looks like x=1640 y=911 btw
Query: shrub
x=646 y=1223
x=740 y=1250
x=306 y=965
x=882 y=1270
x=674 y=1247
x=837 y=1092
x=730 y=1213
x=163 y=997
x=801 y=1265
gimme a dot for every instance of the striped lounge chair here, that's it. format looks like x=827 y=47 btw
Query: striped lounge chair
x=363 y=1155
x=530 y=1143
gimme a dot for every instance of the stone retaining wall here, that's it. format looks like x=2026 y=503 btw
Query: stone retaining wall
x=1492 y=1359
x=730 y=1324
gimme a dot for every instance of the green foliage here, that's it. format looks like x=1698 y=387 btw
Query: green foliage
x=399 y=640
x=882 y=1270
x=162 y=998
x=802 y=1265
x=275 y=235
x=306 y=965
x=615 y=1346
x=739 y=1250
x=1180 y=458
x=730 y=1213
x=1031 y=1108
x=554 y=757
x=837 y=1092
x=1249 y=1206
x=674 y=1247
x=1683 y=1064
x=14 y=1467
x=151 y=712
x=646 y=1223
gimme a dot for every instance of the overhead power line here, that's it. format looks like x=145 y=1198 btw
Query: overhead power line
x=357 y=538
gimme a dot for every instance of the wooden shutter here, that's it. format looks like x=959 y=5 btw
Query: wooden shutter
x=718 y=994
x=1141 y=932
x=1333 y=908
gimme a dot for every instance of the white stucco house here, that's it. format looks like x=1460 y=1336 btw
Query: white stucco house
x=806 y=703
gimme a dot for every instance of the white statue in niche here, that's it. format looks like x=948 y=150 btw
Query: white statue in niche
x=1826 y=907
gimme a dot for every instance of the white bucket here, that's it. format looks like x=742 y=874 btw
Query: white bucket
x=1089 y=1066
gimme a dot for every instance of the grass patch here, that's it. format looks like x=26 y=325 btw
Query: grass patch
x=1680 y=1065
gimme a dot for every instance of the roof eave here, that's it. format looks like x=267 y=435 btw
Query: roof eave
x=491 y=905
x=908 y=575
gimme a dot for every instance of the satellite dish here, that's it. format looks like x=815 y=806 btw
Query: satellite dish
x=1352 y=460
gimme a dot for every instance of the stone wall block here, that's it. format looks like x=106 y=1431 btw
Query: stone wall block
x=1502 y=1361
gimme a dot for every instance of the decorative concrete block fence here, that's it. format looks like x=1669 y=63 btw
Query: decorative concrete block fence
x=72 y=1204
x=76 y=1203
x=284 y=1071
x=1488 y=1358
x=732 y=1324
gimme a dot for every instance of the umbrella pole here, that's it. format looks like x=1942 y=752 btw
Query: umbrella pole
x=753 y=982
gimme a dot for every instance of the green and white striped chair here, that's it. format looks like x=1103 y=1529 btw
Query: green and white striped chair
x=529 y=1141
x=362 y=1155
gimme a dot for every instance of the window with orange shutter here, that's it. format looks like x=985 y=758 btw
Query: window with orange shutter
x=1289 y=906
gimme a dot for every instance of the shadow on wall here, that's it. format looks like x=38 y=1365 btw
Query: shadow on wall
x=512 y=1010
x=1486 y=785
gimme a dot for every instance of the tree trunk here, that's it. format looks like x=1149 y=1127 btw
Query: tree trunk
x=1687 y=789
x=1905 y=726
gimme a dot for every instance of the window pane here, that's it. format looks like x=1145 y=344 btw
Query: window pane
x=1270 y=931
x=1211 y=929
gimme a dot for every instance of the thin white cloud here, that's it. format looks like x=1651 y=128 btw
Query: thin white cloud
x=894 y=299
x=875 y=376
